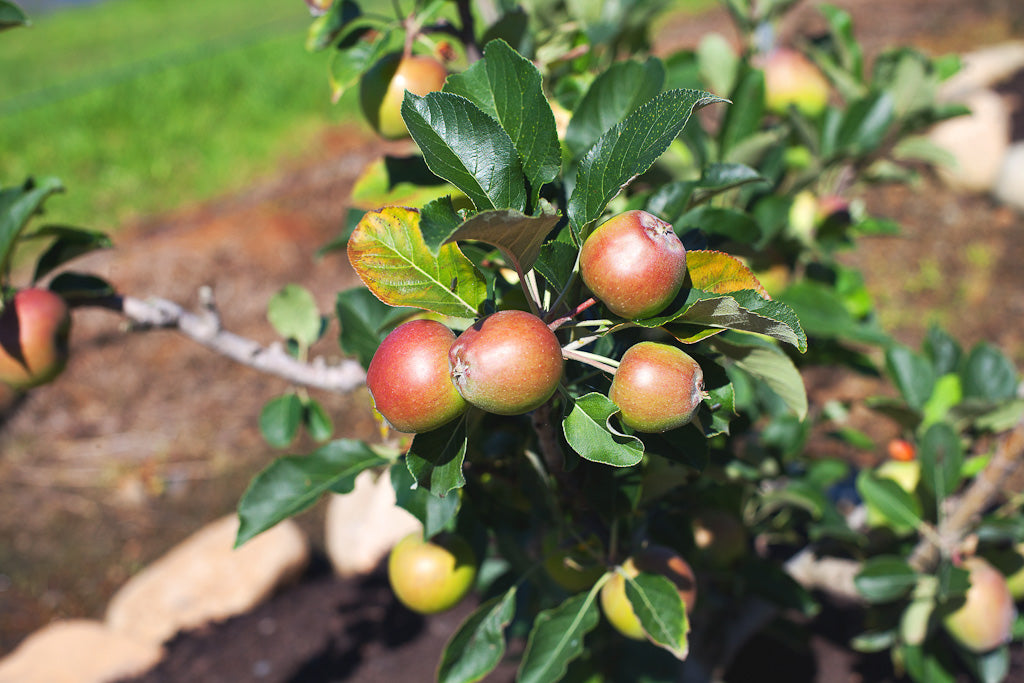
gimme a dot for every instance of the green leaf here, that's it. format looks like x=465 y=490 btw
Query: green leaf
x=81 y=286
x=507 y=86
x=823 y=313
x=17 y=206
x=318 y=422
x=518 y=236
x=11 y=15
x=293 y=483
x=589 y=433
x=885 y=578
x=912 y=374
x=628 y=149
x=434 y=513
x=941 y=458
x=716 y=272
x=990 y=667
x=479 y=644
x=946 y=395
x=557 y=638
x=435 y=458
x=900 y=508
x=661 y=611
x=613 y=95
x=70 y=243
x=325 y=28
x=294 y=315
x=943 y=350
x=364 y=320
x=988 y=374
x=863 y=126
x=719 y=178
x=280 y=420
x=555 y=263
x=742 y=310
x=467 y=148
x=742 y=122
x=388 y=253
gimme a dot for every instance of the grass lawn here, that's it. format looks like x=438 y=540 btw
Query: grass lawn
x=141 y=105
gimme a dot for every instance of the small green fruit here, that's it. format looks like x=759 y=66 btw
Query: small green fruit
x=985 y=620
x=720 y=537
x=654 y=559
x=34 y=329
x=508 y=363
x=431 y=576
x=657 y=387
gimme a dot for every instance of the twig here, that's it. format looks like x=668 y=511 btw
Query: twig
x=205 y=328
x=978 y=497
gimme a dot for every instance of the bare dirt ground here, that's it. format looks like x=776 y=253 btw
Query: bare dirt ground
x=147 y=436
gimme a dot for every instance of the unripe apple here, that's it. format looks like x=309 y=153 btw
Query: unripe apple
x=791 y=79
x=431 y=576
x=575 y=568
x=657 y=387
x=409 y=381
x=508 y=363
x=985 y=620
x=634 y=264
x=34 y=329
x=382 y=89
x=654 y=559
x=719 y=536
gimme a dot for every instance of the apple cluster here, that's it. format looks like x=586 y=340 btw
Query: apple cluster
x=34 y=328
x=423 y=376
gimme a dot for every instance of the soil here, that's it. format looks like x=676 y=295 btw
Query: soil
x=147 y=436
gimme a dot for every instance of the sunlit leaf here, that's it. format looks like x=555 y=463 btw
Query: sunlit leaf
x=719 y=273
x=479 y=644
x=587 y=430
x=557 y=638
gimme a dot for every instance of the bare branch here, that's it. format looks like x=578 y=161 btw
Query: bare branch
x=205 y=328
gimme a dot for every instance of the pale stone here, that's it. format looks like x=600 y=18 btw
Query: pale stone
x=362 y=526
x=78 y=651
x=1010 y=185
x=204 y=579
x=983 y=68
x=976 y=141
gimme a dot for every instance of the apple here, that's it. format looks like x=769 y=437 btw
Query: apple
x=34 y=329
x=409 y=381
x=634 y=263
x=985 y=620
x=790 y=79
x=719 y=536
x=382 y=89
x=657 y=387
x=574 y=568
x=901 y=450
x=431 y=576
x=653 y=559
x=508 y=363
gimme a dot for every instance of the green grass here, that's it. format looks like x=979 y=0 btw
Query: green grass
x=141 y=105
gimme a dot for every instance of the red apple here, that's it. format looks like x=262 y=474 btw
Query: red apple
x=657 y=387
x=985 y=620
x=382 y=89
x=34 y=328
x=431 y=576
x=654 y=559
x=508 y=363
x=634 y=263
x=791 y=79
x=408 y=377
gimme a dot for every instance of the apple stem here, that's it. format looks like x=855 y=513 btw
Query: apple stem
x=554 y=325
x=581 y=342
x=600 y=362
x=529 y=283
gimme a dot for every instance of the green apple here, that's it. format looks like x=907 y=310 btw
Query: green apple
x=382 y=89
x=654 y=559
x=431 y=576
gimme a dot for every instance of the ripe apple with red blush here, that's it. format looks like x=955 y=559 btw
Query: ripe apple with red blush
x=790 y=79
x=657 y=387
x=985 y=620
x=34 y=329
x=382 y=89
x=508 y=363
x=408 y=377
x=634 y=263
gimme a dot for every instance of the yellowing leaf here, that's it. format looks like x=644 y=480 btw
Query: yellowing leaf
x=720 y=273
x=389 y=255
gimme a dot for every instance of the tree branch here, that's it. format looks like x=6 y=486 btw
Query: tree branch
x=205 y=328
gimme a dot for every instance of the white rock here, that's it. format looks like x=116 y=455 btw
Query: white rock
x=204 y=579
x=1010 y=185
x=362 y=526
x=983 y=68
x=78 y=651
x=977 y=141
